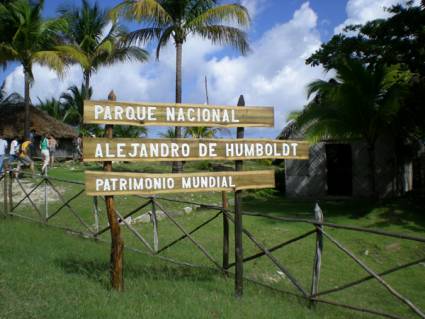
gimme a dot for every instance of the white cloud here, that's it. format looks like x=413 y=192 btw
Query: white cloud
x=361 y=11
x=273 y=74
x=254 y=6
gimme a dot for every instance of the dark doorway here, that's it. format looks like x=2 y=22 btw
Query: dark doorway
x=339 y=169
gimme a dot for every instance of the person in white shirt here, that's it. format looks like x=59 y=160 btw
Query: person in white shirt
x=3 y=148
x=14 y=150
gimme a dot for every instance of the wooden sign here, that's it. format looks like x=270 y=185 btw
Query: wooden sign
x=139 y=150
x=117 y=183
x=171 y=114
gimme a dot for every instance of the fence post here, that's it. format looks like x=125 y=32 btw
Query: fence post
x=96 y=213
x=318 y=216
x=238 y=220
x=46 y=202
x=225 y=205
x=117 y=244
x=155 y=226
x=10 y=190
x=5 y=191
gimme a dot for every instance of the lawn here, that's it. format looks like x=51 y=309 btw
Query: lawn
x=47 y=273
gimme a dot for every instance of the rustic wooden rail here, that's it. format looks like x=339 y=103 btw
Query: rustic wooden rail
x=96 y=230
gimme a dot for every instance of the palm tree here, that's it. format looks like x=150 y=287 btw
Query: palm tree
x=175 y=20
x=130 y=131
x=169 y=133
x=201 y=132
x=358 y=103
x=90 y=44
x=73 y=104
x=2 y=91
x=33 y=40
x=53 y=107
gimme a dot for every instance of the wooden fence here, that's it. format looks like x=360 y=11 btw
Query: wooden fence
x=46 y=215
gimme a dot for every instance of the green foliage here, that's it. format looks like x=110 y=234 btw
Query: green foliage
x=360 y=102
x=86 y=43
x=53 y=107
x=2 y=91
x=130 y=131
x=397 y=40
x=28 y=38
x=201 y=132
x=175 y=19
x=73 y=103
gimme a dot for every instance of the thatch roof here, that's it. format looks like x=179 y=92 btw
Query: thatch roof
x=12 y=122
x=288 y=130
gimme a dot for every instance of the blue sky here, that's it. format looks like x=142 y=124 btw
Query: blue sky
x=283 y=34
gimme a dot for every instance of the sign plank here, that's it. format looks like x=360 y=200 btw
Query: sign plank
x=117 y=183
x=172 y=114
x=145 y=150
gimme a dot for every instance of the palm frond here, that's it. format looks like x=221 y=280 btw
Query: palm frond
x=163 y=40
x=75 y=54
x=141 y=10
x=227 y=13
x=225 y=35
x=52 y=59
x=143 y=35
x=123 y=54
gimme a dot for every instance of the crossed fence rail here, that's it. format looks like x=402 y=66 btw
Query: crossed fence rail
x=312 y=295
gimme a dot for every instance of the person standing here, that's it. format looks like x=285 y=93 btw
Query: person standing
x=79 y=146
x=52 y=149
x=31 y=152
x=14 y=150
x=24 y=156
x=45 y=155
x=3 y=148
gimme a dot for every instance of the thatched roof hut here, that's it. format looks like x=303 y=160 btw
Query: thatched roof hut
x=12 y=117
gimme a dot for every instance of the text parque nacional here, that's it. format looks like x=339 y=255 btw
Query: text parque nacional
x=172 y=114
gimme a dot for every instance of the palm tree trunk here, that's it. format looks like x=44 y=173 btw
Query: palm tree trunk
x=372 y=168
x=178 y=166
x=87 y=80
x=86 y=76
x=27 y=99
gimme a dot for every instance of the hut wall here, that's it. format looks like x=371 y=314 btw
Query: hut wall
x=64 y=150
x=307 y=178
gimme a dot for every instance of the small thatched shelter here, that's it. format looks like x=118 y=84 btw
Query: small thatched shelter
x=12 y=115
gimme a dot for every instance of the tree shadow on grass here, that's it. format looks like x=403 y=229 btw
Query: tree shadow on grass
x=404 y=212
x=304 y=208
x=98 y=271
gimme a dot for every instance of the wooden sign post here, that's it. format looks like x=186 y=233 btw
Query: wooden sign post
x=117 y=244
x=238 y=219
x=107 y=149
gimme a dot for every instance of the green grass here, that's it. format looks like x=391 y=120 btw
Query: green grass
x=46 y=273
